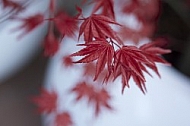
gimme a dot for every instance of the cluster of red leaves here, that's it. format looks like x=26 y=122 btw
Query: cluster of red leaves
x=102 y=42
x=99 y=98
x=47 y=104
x=65 y=25
x=145 y=10
x=102 y=46
x=147 y=13
x=125 y=61
x=59 y=21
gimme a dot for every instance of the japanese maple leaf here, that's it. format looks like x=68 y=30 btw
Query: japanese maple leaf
x=46 y=101
x=155 y=47
x=99 y=50
x=63 y=119
x=153 y=52
x=83 y=90
x=97 y=26
x=66 y=24
x=51 y=44
x=99 y=98
x=12 y=4
x=30 y=23
x=129 y=62
x=106 y=6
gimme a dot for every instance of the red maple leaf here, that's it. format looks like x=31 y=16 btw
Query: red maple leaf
x=63 y=119
x=66 y=24
x=46 y=101
x=106 y=7
x=83 y=90
x=29 y=23
x=131 y=62
x=153 y=52
x=155 y=47
x=99 y=98
x=51 y=44
x=128 y=63
x=99 y=50
x=97 y=26
x=12 y=4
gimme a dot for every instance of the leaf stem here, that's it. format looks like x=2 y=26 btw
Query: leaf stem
x=114 y=43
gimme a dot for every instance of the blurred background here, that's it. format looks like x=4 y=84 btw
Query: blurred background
x=174 y=23
x=17 y=110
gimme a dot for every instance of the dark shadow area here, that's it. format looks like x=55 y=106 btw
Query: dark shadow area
x=174 y=24
x=15 y=107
